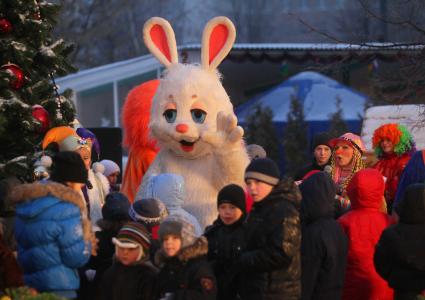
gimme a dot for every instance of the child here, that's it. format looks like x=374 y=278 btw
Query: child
x=52 y=229
x=270 y=264
x=115 y=215
x=131 y=276
x=324 y=245
x=399 y=255
x=225 y=239
x=112 y=172
x=363 y=225
x=185 y=272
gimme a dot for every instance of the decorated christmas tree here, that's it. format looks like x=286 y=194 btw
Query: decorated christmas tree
x=30 y=59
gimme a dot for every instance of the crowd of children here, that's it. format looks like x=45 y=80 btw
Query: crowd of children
x=335 y=233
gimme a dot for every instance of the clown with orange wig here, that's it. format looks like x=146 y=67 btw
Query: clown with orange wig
x=393 y=145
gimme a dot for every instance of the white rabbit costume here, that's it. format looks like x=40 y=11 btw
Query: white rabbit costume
x=192 y=118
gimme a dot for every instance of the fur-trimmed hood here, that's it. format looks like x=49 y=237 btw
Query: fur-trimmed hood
x=197 y=249
x=30 y=192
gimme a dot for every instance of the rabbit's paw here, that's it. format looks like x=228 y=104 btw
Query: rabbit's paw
x=228 y=132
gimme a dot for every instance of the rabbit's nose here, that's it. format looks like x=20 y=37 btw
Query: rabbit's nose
x=182 y=128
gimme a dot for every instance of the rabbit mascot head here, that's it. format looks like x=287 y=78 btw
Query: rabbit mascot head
x=192 y=117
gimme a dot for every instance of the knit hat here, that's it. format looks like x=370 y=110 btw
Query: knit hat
x=177 y=226
x=353 y=139
x=150 y=211
x=321 y=138
x=110 y=167
x=116 y=207
x=68 y=166
x=132 y=235
x=232 y=194
x=255 y=151
x=263 y=169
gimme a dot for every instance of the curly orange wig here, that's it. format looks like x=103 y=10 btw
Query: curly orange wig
x=399 y=136
x=387 y=131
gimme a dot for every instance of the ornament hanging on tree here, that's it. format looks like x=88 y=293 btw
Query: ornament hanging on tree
x=17 y=72
x=5 y=26
x=41 y=115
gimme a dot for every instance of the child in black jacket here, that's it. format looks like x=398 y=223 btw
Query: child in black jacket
x=185 y=272
x=132 y=276
x=226 y=239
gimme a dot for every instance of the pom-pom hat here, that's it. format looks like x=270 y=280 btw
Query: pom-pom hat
x=66 y=138
x=110 y=167
x=350 y=138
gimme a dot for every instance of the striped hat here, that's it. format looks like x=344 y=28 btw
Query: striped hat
x=133 y=235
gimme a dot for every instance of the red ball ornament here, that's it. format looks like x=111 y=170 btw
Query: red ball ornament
x=5 y=26
x=41 y=115
x=17 y=73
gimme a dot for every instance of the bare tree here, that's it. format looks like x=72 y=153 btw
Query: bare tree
x=395 y=24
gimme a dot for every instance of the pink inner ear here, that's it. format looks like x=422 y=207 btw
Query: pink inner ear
x=159 y=38
x=218 y=38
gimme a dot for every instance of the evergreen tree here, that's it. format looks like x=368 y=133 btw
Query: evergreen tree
x=260 y=130
x=29 y=101
x=337 y=125
x=295 y=142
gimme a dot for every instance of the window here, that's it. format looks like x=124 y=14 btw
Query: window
x=95 y=107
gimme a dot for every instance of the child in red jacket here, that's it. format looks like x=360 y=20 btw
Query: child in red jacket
x=363 y=225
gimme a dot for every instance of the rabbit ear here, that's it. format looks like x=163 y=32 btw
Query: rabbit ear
x=217 y=41
x=159 y=38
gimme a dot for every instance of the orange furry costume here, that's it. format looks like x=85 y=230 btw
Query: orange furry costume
x=142 y=148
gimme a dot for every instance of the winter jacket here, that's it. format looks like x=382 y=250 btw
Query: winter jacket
x=188 y=275
x=400 y=253
x=170 y=189
x=52 y=231
x=271 y=265
x=306 y=169
x=324 y=245
x=391 y=166
x=363 y=225
x=135 y=282
x=414 y=172
x=96 y=195
x=225 y=245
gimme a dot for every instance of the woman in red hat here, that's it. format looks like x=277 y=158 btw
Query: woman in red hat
x=346 y=160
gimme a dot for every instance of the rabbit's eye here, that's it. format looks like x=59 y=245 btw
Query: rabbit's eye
x=198 y=115
x=170 y=115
